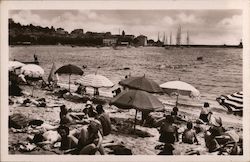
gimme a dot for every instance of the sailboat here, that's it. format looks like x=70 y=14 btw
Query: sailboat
x=170 y=39
x=165 y=43
x=178 y=37
x=187 y=39
x=168 y=46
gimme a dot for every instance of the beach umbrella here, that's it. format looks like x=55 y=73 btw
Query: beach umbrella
x=233 y=102
x=141 y=83
x=95 y=81
x=137 y=99
x=69 y=69
x=14 y=65
x=32 y=72
x=180 y=88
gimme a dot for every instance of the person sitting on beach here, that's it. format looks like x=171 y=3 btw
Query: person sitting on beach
x=175 y=111
x=67 y=141
x=168 y=132
x=68 y=118
x=210 y=140
x=81 y=90
x=205 y=113
x=104 y=119
x=219 y=131
x=189 y=135
x=65 y=117
x=178 y=118
x=90 y=140
x=147 y=119
x=90 y=110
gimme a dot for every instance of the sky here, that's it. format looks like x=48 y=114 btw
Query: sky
x=204 y=26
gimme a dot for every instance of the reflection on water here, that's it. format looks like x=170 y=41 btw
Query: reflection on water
x=220 y=72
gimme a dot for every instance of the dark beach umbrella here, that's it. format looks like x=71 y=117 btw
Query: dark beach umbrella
x=141 y=83
x=69 y=69
x=137 y=99
x=232 y=102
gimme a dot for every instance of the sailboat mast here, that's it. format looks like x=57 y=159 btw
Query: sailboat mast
x=166 y=40
x=187 y=38
x=163 y=39
x=170 y=39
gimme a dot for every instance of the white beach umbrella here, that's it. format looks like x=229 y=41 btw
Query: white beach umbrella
x=180 y=88
x=95 y=81
x=15 y=64
x=32 y=71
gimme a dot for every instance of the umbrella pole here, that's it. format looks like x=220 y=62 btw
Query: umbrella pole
x=32 y=91
x=177 y=100
x=135 y=118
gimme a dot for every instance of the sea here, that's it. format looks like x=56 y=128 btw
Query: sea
x=219 y=73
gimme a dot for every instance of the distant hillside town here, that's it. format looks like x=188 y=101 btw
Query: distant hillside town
x=37 y=35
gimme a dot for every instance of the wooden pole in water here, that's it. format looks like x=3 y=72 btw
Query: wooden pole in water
x=135 y=118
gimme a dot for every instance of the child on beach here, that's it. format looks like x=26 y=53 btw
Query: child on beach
x=189 y=135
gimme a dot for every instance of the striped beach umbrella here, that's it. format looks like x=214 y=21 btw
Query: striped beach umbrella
x=232 y=102
x=95 y=81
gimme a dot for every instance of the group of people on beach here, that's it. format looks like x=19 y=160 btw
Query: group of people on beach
x=216 y=136
x=86 y=139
